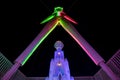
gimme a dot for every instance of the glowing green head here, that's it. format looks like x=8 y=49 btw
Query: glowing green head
x=58 y=10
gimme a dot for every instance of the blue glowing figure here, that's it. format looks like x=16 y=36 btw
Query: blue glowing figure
x=59 y=67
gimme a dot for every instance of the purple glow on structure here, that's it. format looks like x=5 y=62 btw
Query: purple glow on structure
x=81 y=41
x=59 y=67
x=97 y=59
x=26 y=54
x=10 y=72
x=36 y=42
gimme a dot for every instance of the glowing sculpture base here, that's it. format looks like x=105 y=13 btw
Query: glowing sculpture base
x=59 y=67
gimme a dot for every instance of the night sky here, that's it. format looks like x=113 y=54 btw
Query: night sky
x=97 y=23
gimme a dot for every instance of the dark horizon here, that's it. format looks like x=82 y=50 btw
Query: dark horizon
x=97 y=23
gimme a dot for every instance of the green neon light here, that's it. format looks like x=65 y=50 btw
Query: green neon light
x=41 y=40
x=47 y=19
x=58 y=9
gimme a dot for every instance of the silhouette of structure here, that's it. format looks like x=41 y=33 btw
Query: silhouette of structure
x=59 y=17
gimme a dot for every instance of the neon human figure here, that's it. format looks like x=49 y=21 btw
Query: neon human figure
x=59 y=67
